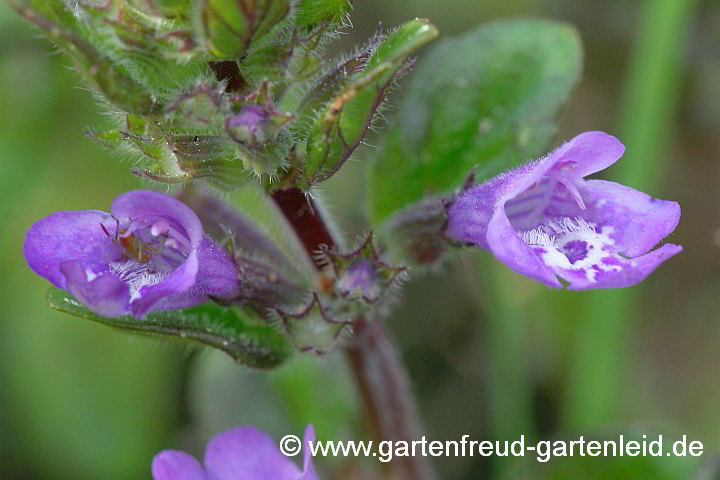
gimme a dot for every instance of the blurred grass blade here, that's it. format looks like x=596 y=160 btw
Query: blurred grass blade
x=647 y=117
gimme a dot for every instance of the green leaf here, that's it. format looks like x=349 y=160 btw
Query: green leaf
x=239 y=333
x=225 y=28
x=313 y=12
x=485 y=100
x=228 y=26
x=132 y=58
x=342 y=123
x=176 y=158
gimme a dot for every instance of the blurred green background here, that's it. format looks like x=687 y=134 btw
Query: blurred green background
x=490 y=353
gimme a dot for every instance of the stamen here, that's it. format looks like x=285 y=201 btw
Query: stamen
x=570 y=185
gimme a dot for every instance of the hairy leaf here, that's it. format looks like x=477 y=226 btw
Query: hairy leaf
x=486 y=100
x=239 y=333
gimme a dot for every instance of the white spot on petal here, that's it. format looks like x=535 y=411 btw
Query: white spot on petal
x=573 y=244
x=136 y=275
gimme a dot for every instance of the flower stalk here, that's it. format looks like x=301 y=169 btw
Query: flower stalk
x=378 y=369
x=389 y=402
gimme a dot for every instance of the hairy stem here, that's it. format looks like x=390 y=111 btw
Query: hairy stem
x=310 y=227
x=385 y=388
x=379 y=372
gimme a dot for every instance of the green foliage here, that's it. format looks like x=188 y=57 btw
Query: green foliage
x=239 y=333
x=342 y=122
x=314 y=12
x=486 y=100
x=181 y=72
x=134 y=60
x=228 y=26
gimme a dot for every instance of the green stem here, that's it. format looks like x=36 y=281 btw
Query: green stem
x=646 y=118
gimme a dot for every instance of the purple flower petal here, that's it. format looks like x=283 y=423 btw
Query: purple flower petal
x=243 y=453
x=147 y=204
x=545 y=220
x=150 y=254
x=308 y=472
x=217 y=275
x=587 y=153
x=180 y=280
x=634 y=271
x=629 y=212
x=360 y=280
x=247 y=453
x=102 y=292
x=510 y=249
x=67 y=236
x=176 y=465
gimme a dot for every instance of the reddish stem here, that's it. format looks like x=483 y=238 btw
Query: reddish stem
x=299 y=209
x=389 y=402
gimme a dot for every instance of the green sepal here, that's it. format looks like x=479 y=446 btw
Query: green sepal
x=175 y=158
x=486 y=100
x=259 y=208
x=88 y=51
x=267 y=160
x=237 y=332
x=342 y=123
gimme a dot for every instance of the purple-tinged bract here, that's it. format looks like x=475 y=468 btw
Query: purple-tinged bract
x=241 y=453
x=149 y=254
x=545 y=220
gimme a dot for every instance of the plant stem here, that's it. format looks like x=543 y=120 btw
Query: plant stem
x=309 y=225
x=379 y=372
x=385 y=388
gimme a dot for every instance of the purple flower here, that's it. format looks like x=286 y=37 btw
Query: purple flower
x=150 y=254
x=243 y=453
x=360 y=280
x=545 y=220
x=249 y=124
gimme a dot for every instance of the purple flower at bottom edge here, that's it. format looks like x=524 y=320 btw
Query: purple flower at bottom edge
x=545 y=220
x=243 y=453
x=149 y=254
